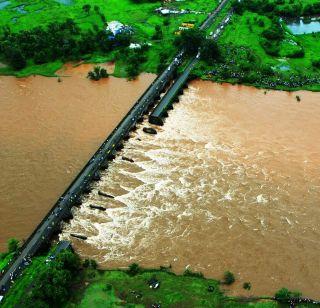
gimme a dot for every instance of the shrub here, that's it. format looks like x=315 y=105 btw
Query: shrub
x=284 y=295
x=13 y=245
x=134 y=269
x=90 y=263
x=247 y=286
x=98 y=73
x=316 y=63
x=86 y=263
x=228 y=278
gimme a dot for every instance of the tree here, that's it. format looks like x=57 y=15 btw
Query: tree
x=247 y=285
x=96 y=8
x=41 y=57
x=98 y=73
x=158 y=34
x=13 y=245
x=51 y=284
x=210 y=51
x=16 y=59
x=132 y=71
x=134 y=269
x=228 y=278
x=94 y=264
x=191 y=40
x=86 y=8
x=284 y=295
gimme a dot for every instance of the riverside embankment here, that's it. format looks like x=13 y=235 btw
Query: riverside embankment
x=49 y=130
x=230 y=182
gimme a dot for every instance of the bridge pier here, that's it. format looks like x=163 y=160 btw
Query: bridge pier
x=78 y=201
x=96 y=176
x=111 y=156
x=119 y=146
x=87 y=189
x=104 y=165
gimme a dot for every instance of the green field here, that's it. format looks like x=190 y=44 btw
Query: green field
x=243 y=57
x=141 y=17
x=5 y=259
x=117 y=288
x=246 y=61
x=65 y=282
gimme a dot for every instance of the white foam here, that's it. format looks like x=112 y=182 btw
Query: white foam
x=261 y=199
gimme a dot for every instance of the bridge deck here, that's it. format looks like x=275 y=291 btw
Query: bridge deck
x=160 y=112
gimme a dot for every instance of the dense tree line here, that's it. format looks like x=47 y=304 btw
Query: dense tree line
x=278 y=7
x=134 y=59
x=50 y=287
x=194 y=40
x=272 y=37
x=191 y=40
x=62 y=41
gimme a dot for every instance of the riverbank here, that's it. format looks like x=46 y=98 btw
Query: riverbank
x=152 y=33
x=290 y=64
x=48 y=132
x=117 y=287
x=88 y=286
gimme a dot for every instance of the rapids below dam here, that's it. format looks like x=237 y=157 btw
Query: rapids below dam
x=49 y=130
x=230 y=182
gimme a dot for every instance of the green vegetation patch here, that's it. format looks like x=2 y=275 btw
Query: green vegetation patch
x=91 y=17
x=257 y=48
x=113 y=288
x=5 y=258
x=117 y=286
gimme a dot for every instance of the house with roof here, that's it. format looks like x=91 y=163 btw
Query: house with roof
x=116 y=27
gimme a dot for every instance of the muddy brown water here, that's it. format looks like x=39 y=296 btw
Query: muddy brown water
x=230 y=182
x=49 y=130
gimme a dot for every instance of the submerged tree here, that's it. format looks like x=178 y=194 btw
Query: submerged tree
x=13 y=245
x=97 y=73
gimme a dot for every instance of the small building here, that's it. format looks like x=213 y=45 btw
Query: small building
x=167 y=11
x=135 y=46
x=189 y=25
x=116 y=27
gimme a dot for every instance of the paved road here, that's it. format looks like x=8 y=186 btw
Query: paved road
x=208 y=22
x=62 y=208
x=160 y=112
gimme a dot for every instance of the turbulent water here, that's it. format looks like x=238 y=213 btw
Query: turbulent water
x=48 y=130
x=230 y=182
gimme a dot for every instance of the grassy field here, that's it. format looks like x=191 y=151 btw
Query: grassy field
x=289 y=72
x=4 y=261
x=244 y=31
x=141 y=17
x=116 y=288
x=94 y=288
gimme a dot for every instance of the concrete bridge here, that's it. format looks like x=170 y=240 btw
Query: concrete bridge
x=161 y=111
x=50 y=225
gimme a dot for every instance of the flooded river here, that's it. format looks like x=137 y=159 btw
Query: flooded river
x=49 y=130
x=230 y=182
